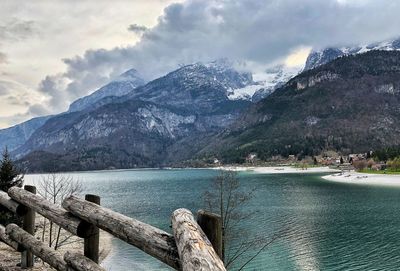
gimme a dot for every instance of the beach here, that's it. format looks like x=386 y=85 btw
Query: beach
x=351 y=177
x=280 y=169
x=364 y=178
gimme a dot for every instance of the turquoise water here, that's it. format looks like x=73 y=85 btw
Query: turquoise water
x=330 y=226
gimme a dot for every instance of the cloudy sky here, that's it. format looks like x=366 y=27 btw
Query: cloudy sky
x=55 y=51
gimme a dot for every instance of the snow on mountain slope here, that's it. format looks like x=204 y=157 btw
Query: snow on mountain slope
x=318 y=58
x=265 y=83
x=245 y=93
x=238 y=85
x=122 y=85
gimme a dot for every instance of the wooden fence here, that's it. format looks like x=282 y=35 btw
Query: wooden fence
x=194 y=245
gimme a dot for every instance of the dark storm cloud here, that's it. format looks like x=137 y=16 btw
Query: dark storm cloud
x=256 y=31
x=137 y=29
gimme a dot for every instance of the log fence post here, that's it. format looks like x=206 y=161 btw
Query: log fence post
x=195 y=250
x=211 y=224
x=91 y=243
x=28 y=226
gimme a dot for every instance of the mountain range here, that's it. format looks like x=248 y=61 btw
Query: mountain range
x=138 y=129
x=14 y=137
x=318 y=58
x=210 y=110
x=349 y=105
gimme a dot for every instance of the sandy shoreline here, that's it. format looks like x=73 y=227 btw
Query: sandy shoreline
x=353 y=177
x=350 y=177
x=281 y=169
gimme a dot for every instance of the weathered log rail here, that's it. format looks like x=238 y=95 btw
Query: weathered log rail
x=189 y=248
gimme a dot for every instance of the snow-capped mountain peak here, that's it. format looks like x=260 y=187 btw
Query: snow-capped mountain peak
x=264 y=83
x=130 y=75
x=320 y=57
x=122 y=85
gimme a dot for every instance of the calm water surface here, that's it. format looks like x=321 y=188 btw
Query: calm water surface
x=332 y=226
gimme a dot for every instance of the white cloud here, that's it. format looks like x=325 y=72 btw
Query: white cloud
x=36 y=35
x=259 y=32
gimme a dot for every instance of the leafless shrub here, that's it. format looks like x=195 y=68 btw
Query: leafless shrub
x=56 y=188
x=360 y=165
x=227 y=199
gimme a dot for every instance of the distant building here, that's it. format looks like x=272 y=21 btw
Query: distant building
x=292 y=158
x=251 y=158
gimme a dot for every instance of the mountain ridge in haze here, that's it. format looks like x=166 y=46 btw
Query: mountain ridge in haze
x=135 y=130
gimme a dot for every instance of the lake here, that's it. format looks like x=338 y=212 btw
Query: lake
x=331 y=226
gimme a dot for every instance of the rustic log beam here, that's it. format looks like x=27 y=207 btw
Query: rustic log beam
x=38 y=248
x=8 y=241
x=80 y=263
x=12 y=205
x=52 y=212
x=151 y=240
x=211 y=224
x=195 y=250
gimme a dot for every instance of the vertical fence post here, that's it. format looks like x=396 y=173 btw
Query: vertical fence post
x=28 y=226
x=211 y=224
x=91 y=244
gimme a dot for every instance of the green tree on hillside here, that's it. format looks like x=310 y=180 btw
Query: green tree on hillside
x=10 y=176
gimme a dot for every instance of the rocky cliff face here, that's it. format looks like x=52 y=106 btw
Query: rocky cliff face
x=15 y=136
x=136 y=130
x=318 y=78
x=349 y=105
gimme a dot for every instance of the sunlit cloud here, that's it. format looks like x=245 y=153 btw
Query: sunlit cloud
x=298 y=57
x=60 y=51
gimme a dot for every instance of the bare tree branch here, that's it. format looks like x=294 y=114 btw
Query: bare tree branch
x=56 y=188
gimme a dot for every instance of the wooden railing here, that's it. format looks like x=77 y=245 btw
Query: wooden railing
x=191 y=247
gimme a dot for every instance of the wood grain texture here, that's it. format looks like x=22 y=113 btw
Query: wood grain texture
x=149 y=239
x=11 y=204
x=7 y=240
x=38 y=248
x=28 y=225
x=91 y=244
x=52 y=212
x=211 y=224
x=195 y=250
x=80 y=263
